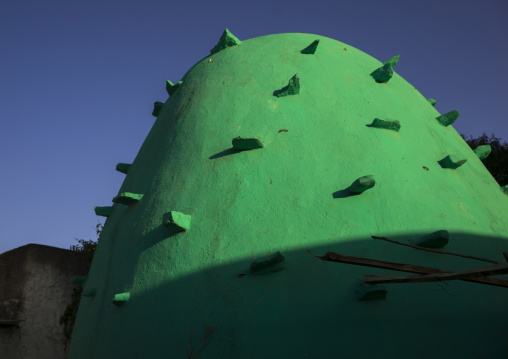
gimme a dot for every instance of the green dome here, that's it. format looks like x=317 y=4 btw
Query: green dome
x=283 y=144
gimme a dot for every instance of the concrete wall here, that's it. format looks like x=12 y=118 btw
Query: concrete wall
x=35 y=288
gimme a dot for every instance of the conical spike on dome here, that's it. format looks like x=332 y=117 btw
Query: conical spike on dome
x=452 y=161
x=482 y=151
x=157 y=107
x=226 y=40
x=242 y=144
x=368 y=292
x=383 y=74
x=362 y=184
x=123 y=167
x=392 y=61
x=448 y=118
x=127 y=198
x=311 y=49
x=176 y=221
x=121 y=298
x=437 y=239
x=392 y=125
x=103 y=211
x=171 y=88
x=274 y=263
x=292 y=88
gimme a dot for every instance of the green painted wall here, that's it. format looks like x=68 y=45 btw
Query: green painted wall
x=291 y=196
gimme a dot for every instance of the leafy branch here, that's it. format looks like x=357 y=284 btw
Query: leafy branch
x=87 y=249
x=497 y=162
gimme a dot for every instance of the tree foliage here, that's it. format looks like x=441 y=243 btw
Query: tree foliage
x=87 y=248
x=497 y=161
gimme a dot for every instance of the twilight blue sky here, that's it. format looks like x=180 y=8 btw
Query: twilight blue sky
x=78 y=80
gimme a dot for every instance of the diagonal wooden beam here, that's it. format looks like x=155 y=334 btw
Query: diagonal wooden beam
x=366 y=262
x=474 y=273
x=437 y=250
x=411 y=268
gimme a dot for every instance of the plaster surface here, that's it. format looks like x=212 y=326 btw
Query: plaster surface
x=291 y=195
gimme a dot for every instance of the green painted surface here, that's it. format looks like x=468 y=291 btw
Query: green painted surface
x=368 y=292
x=274 y=263
x=90 y=292
x=292 y=197
x=79 y=279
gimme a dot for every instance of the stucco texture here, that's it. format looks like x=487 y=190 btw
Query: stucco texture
x=292 y=196
x=39 y=277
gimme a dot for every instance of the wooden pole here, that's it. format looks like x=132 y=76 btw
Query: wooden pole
x=335 y=257
x=474 y=273
x=438 y=251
